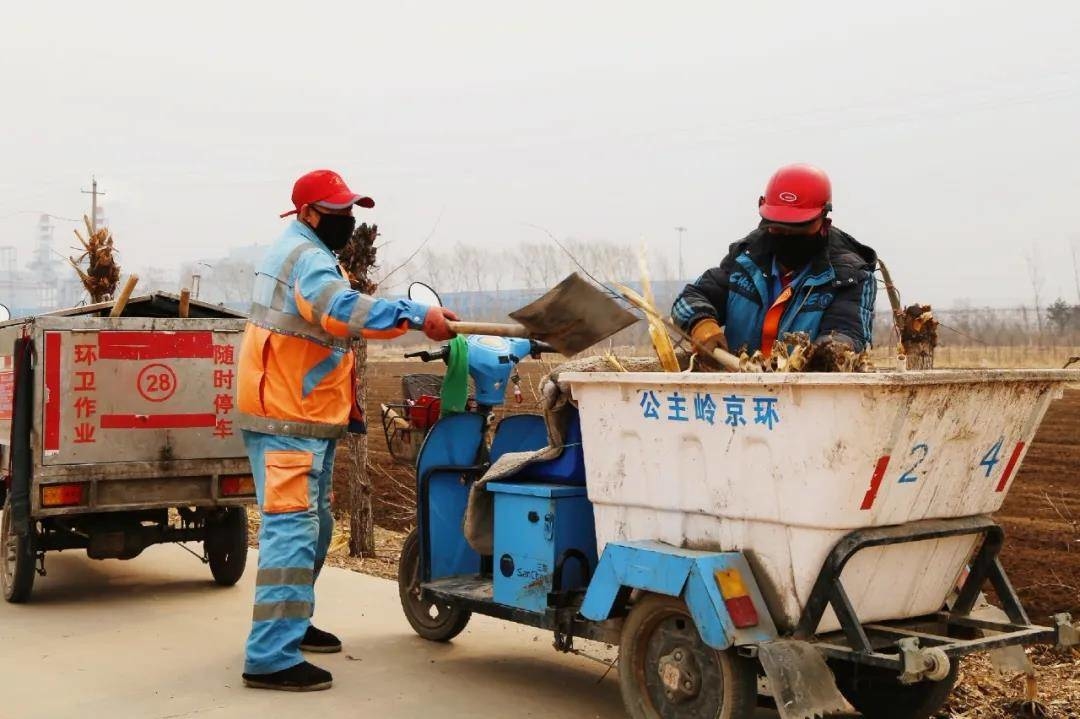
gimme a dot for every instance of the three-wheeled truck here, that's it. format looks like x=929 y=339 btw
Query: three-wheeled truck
x=821 y=539
x=117 y=433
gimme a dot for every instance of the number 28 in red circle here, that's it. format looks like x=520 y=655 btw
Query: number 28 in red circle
x=157 y=382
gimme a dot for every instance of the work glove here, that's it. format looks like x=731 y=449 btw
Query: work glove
x=708 y=334
x=435 y=326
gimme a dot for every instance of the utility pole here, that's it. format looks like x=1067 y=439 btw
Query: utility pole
x=680 y=230
x=93 y=192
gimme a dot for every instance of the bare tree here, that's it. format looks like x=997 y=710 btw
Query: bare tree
x=539 y=264
x=661 y=267
x=433 y=270
x=472 y=265
x=358 y=259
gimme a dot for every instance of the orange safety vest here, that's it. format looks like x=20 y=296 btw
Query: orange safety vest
x=294 y=378
x=770 y=328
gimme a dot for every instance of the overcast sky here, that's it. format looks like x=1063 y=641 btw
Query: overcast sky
x=950 y=129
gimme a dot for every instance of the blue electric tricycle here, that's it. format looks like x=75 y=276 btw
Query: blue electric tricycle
x=695 y=633
x=544 y=567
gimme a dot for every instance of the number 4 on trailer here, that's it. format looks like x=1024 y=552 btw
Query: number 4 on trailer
x=990 y=459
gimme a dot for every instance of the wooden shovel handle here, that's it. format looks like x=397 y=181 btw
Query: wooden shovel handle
x=727 y=360
x=185 y=302
x=497 y=329
x=125 y=295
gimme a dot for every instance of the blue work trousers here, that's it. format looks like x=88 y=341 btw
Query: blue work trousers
x=293 y=486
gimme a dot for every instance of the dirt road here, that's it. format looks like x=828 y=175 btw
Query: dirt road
x=153 y=637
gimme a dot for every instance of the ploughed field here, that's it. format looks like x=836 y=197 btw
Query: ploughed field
x=1041 y=515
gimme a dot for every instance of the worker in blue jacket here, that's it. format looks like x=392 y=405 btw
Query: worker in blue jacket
x=794 y=273
x=296 y=395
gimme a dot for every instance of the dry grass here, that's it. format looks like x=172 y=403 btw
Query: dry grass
x=383 y=564
x=983 y=694
x=1027 y=357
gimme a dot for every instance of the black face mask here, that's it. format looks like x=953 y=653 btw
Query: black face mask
x=796 y=251
x=335 y=230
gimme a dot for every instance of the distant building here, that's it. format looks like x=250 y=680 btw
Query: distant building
x=47 y=283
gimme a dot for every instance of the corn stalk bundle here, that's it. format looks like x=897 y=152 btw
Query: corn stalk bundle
x=101 y=273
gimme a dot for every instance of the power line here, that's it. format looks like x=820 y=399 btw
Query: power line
x=38 y=212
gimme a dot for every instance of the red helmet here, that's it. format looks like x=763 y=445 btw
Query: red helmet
x=327 y=189
x=796 y=194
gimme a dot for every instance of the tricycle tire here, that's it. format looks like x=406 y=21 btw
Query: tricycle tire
x=660 y=647
x=447 y=621
x=18 y=557
x=878 y=693
x=226 y=545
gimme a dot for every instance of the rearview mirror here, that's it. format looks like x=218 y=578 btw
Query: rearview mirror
x=419 y=292
x=5 y=313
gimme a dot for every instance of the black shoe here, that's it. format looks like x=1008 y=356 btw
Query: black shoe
x=316 y=640
x=302 y=677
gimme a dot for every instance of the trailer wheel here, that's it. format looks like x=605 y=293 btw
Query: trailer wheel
x=18 y=557
x=226 y=545
x=878 y=693
x=666 y=671
x=433 y=621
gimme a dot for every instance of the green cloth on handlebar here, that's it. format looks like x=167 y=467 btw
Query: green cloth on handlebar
x=455 y=387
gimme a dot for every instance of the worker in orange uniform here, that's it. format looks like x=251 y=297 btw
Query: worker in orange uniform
x=296 y=397
x=794 y=273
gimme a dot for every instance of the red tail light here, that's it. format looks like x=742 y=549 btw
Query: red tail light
x=63 y=495
x=742 y=611
x=234 y=485
x=740 y=606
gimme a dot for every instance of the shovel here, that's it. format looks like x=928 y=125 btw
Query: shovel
x=571 y=317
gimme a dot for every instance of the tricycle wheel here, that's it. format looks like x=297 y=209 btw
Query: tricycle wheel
x=18 y=557
x=433 y=621
x=226 y=545
x=878 y=693
x=666 y=671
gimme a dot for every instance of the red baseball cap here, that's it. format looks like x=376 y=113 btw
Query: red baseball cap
x=326 y=189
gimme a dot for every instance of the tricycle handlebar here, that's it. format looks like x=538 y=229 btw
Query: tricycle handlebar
x=426 y=356
x=539 y=348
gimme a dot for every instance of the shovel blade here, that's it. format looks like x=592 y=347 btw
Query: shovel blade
x=801 y=682
x=573 y=316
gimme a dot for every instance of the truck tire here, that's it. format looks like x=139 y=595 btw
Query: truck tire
x=666 y=671
x=433 y=621
x=878 y=693
x=18 y=557
x=226 y=545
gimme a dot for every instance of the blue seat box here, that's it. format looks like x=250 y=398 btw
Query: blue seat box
x=537 y=528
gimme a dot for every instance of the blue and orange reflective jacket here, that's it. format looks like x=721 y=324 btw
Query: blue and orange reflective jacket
x=833 y=296
x=296 y=366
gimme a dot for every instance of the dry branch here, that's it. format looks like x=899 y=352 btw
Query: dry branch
x=101 y=273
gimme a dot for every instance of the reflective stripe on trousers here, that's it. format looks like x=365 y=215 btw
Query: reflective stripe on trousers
x=293 y=485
